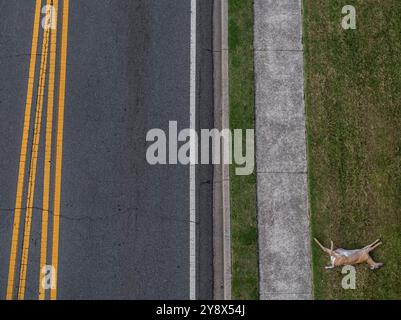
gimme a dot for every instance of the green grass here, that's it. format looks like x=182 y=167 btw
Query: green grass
x=353 y=100
x=243 y=188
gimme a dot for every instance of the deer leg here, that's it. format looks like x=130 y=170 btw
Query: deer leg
x=370 y=245
x=374 y=247
x=372 y=264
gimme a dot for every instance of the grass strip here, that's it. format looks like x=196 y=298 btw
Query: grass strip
x=243 y=188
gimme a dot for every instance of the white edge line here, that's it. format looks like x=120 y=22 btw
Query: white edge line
x=192 y=171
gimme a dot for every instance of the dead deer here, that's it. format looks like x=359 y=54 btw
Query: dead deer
x=343 y=257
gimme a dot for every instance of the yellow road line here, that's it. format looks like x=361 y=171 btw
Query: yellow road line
x=33 y=166
x=23 y=154
x=48 y=151
x=59 y=148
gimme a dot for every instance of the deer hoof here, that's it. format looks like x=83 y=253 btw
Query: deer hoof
x=376 y=266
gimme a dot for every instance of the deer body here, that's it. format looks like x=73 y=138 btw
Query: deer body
x=343 y=257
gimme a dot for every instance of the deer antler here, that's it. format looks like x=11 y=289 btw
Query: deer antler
x=327 y=250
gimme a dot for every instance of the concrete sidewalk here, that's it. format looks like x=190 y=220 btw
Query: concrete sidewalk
x=284 y=237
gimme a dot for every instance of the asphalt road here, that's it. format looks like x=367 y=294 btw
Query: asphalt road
x=123 y=224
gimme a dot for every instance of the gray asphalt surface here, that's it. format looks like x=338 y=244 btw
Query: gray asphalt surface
x=124 y=228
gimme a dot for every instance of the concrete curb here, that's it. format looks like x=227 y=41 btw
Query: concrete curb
x=221 y=176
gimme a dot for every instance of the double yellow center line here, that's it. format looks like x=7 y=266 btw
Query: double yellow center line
x=50 y=32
